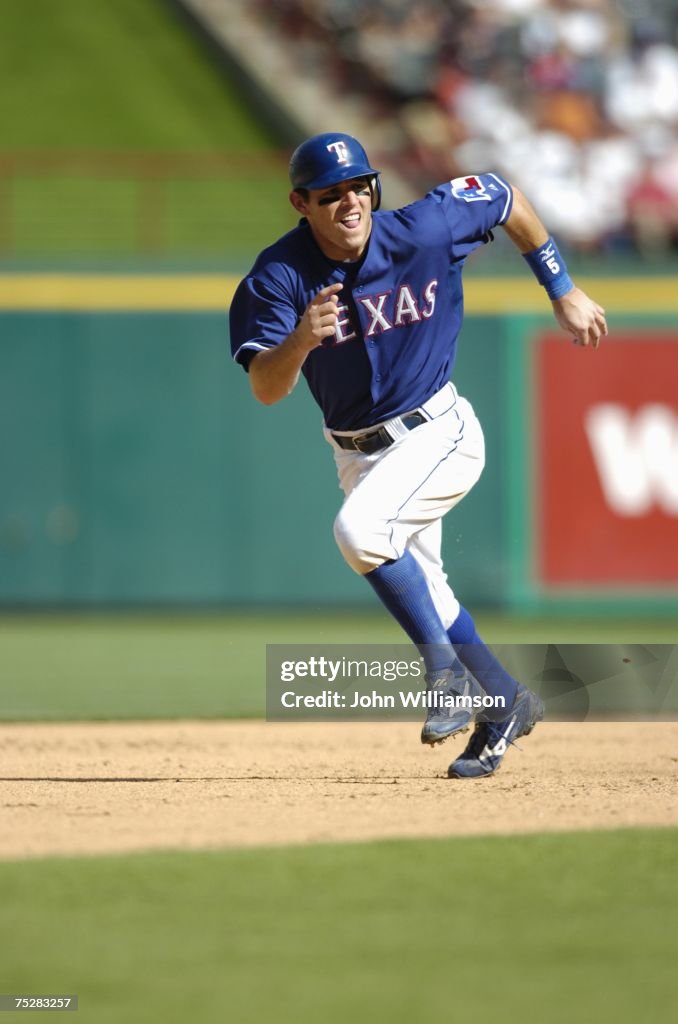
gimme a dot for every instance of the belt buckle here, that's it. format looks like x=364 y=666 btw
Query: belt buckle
x=360 y=438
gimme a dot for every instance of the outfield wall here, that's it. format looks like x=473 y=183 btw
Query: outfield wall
x=136 y=467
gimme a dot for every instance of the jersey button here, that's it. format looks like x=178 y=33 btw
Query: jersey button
x=378 y=377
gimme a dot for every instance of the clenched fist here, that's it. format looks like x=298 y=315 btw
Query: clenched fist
x=320 y=317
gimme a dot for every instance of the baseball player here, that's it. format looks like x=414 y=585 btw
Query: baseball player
x=368 y=306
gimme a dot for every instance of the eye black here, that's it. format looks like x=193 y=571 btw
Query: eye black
x=360 y=188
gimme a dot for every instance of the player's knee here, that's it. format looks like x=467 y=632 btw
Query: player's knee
x=358 y=541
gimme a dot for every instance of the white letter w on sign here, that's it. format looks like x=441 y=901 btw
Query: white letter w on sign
x=636 y=455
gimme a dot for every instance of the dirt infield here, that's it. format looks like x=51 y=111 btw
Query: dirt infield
x=111 y=787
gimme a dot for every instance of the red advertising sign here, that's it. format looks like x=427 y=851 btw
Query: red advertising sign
x=606 y=434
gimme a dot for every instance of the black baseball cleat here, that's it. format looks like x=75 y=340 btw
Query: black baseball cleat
x=490 y=740
x=450 y=706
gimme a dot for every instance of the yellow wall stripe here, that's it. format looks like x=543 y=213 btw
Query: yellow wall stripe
x=213 y=292
x=116 y=292
x=615 y=294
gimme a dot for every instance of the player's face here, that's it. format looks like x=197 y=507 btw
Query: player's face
x=340 y=217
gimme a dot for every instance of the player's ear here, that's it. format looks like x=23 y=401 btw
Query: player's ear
x=299 y=201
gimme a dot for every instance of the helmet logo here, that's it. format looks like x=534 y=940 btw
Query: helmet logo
x=340 y=150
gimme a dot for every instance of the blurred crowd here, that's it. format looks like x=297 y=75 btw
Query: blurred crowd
x=575 y=101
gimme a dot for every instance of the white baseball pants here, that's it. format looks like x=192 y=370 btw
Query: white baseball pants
x=396 y=498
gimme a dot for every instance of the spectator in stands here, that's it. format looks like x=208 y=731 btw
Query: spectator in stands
x=560 y=95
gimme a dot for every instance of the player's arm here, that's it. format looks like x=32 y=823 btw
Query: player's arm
x=576 y=313
x=274 y=372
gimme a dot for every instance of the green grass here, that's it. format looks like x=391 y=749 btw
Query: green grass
x=227 y=218
x=105 y=76
x=204 y=666
x=552 y=929
x=113 y=74
x=146 y=666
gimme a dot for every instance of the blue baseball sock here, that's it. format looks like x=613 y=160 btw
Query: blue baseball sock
x=481 y=662
x=402 y=588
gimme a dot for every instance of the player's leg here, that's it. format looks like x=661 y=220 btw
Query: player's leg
x=495 y=680
x=391 y=496
x=403 y=509
x=426 y=548
x=392 y=518
x=374 y=526
x=496 y=727
x=460 y=627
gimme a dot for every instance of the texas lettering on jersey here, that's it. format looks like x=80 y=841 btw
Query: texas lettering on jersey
x=399 y=308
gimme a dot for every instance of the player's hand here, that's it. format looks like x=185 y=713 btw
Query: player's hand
x=320 y=317
x=581 y=317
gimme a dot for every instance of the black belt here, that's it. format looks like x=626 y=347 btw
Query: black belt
x=376 y=440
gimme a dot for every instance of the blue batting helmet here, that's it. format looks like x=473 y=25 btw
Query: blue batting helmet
x=327 y=159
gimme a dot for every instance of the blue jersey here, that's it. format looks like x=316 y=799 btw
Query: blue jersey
x=400 y=310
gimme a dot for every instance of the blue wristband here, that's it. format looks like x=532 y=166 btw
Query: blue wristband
x=548 y=266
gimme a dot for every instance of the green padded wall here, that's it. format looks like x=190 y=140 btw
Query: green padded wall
x=137 y=468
